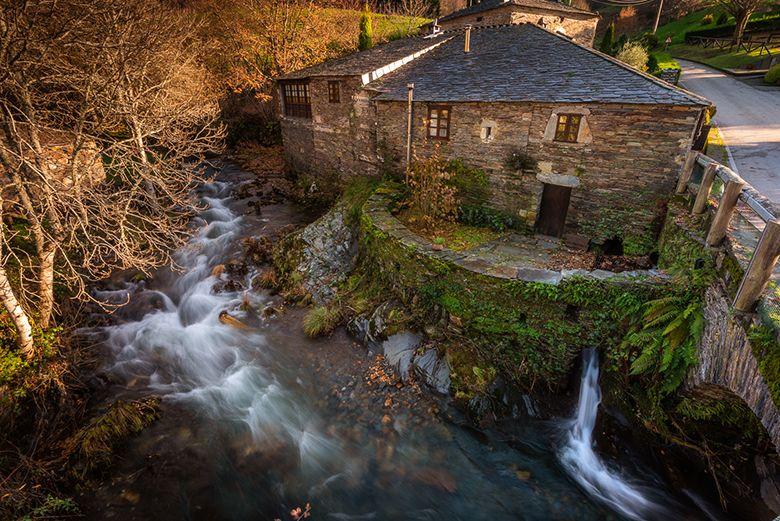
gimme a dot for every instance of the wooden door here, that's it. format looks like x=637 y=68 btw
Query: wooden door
x=553 y=209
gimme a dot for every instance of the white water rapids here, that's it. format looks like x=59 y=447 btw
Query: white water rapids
x=181 y=350
x=580 y=460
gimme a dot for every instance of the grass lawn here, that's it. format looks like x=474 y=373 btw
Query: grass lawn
x=713 y=57
x=452 y=235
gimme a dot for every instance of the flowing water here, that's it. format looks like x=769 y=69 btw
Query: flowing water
x=582 y=462
x=258 y=420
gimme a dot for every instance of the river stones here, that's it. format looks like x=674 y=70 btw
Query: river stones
x=433 y=370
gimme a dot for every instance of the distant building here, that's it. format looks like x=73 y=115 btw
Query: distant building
x=577 y=24
x=609 y=141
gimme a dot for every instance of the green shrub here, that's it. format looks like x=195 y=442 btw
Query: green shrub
x=633 y=54
x=366 y=37
x=723 y=19
x=321 y=320
x=773 y=75
x=707 y=19
x=518 y=161
x=665 y=339
x=486 y=217
x=471 y=183
x=652 y=63
x=93 y=445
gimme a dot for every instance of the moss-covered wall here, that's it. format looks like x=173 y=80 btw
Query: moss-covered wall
x=530 y=332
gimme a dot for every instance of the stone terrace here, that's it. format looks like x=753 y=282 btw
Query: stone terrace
x=518 y=257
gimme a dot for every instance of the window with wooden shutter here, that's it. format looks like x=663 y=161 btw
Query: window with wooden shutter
x=438 y=122
x=296 y=99
x=334 y=92
x=568 y=127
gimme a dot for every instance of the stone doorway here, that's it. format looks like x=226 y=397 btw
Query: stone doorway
x=553 y=210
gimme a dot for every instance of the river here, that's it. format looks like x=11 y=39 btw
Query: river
x=260 y=420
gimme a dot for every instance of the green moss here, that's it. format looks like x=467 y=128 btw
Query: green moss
x=619 y=221
x=530 y=332
x=766 y=348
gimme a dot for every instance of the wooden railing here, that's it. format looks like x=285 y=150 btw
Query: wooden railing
x=748 y=44
x=735 y=189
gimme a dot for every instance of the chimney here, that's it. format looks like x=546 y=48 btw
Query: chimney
x=467 y=43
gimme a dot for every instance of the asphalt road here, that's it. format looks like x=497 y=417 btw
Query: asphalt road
x=749 y=122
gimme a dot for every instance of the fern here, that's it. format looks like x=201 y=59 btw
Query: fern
x=664 y=339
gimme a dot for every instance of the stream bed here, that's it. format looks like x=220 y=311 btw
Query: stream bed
x=259 y=420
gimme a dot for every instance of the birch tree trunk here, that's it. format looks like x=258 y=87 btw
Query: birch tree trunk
x=46 y=285
x=18 y=315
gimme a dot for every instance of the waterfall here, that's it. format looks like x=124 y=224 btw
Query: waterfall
x=582 y=463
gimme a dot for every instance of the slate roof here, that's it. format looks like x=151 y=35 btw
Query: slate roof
x=487 y=5
x=525 y=63
x=359 y=63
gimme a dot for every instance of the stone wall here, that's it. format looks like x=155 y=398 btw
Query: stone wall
x=579 y=27
x=624 y=168
x=450 y=6
x=726 y=360
x=340 y=137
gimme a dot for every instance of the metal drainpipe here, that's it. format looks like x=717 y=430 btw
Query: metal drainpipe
x=410 y=98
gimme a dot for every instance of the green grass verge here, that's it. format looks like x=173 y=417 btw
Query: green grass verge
x=717 y=58
x=665 y=60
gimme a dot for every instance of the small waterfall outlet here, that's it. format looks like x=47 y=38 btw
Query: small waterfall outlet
x=583 y=464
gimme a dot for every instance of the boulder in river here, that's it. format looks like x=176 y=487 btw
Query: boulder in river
x=433 y=370
x=399 y=351
x=326 y=253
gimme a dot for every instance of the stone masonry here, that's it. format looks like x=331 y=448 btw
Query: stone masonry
x=649 y=142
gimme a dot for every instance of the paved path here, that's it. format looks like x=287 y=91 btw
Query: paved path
x=749 y=121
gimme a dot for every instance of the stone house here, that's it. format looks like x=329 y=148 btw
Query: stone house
x=577 y=24
x=608 y=141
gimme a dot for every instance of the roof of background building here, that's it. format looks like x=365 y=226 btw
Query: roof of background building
x=525 y=63
x=487 y=5
x=358 y=63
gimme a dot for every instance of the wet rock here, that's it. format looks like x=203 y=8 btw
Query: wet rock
x=770 y=488
x=217 y=270
x=258 y=249
x=372 y=329
x=229 y=286
x=399 y=351
x=232 y=321
x=269 y=311
x=236 y=268
x=479 y=407
x=329 y=250
x=436 y=477
x=433 y=370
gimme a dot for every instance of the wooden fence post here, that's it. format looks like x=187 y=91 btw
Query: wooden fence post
x=687 y=170
x=728 y=202
x=760 y=269
x=704 y=189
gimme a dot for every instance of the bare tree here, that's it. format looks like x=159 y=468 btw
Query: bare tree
x=263 y=40
x=741 y=10
x=415 y=11
x=103 y=105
